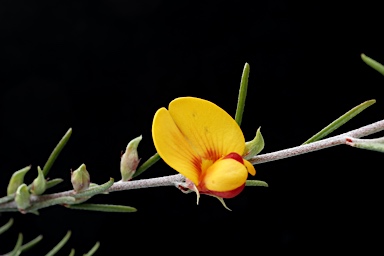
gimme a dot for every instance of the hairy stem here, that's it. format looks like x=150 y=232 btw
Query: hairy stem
x=325 y=143
x=51 y=199
x=173 y=179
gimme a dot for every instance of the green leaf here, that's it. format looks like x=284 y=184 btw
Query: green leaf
x=59 y=245
x=6 y=199
x=242 y=94
x=31 y=243
x=94 y=190
x=340 y=121
x=22 y=198
x=53 y=182
x=17 y=179
x=151 y=161
x=93 y=249
x=256 y=183
x=54 y=201
x=102 y=207
x=373 y=64
x=72 y=253
x=369 y=144
x=56 y=151
x=93 y=185
x=17 y=249
x=8 y=209
x=6 y=226
x=254 y=146
x=39 y=184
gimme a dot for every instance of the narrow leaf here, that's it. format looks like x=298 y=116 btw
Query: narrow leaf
x=31 y=243
x=340 y=121
x=6 y=226
x=369 y=144
x=254 y=146
x=94 y=190
x=72 y=253
x=373 y=64
x=22 y=197
x=102 y=207
x=6 y=199
x=51 y=202
x=93 y=185
x=93 y=249
x=39 y=184
x=56 y=151
x=53 y=182
x=256 y=183
x=242 y=94
x=151 y=161
x=16 y=180
x=59 y=245
x=16 y=250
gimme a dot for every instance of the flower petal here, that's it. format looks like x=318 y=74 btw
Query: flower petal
x=173 y=147
x=250 y=167
x=227 y=194
x=225 y=175
x=211 y=131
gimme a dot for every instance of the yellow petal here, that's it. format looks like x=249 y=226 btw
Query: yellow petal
x=225 y=175
x=250 y=167
x=173 y=147
x=211 y=131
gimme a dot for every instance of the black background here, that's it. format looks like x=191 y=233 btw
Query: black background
x=104 y=68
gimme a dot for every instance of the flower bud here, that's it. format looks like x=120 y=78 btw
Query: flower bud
x=17 y=179
x=130 y=160
x=254 y=146
x=80 y=179
x=39 y=184
x=22 y=198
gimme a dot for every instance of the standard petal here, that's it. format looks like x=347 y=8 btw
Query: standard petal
x=172 y=146
x=210 y=130
x=225 y=175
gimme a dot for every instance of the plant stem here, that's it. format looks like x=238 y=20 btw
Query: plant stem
x=147 y=183
x=172 y=179
x=64 y=197
x=326 y=143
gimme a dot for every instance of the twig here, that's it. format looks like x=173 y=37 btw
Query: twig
x=173 y=179
x=325 y=143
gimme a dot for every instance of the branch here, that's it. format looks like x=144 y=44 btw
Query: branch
x=325 y=143
x=71 y=197
x=63 y=197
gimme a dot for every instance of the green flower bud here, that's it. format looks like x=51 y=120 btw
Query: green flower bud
x=22 y=198
x=254 y=146
x=16 y=180
x=39 y=184
x=130 y=159
x=80 y=179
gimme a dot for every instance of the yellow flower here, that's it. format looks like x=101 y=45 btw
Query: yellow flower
x=205 y=144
